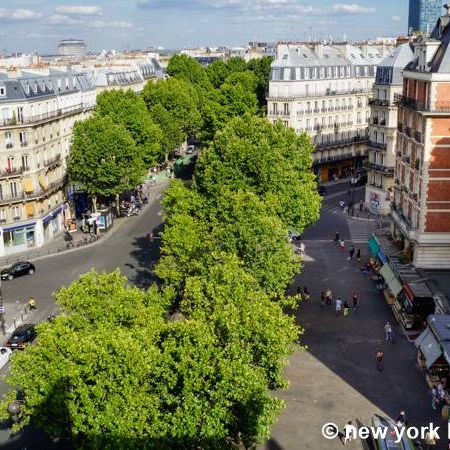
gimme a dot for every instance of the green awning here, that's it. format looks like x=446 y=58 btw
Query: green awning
x=374 y=245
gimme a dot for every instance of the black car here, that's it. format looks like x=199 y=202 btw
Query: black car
x=22 y=335
x=17 y=270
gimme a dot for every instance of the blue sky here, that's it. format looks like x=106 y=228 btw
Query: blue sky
x=27 y=25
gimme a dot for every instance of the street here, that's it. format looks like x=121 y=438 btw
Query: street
x=126 y=248
x=335 y=379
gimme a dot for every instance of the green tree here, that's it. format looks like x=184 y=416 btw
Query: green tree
x=261 y=68
x=116 y=371
x=186 y=68
x=129 y=109
x=270 y=160
x=236 y=64
x=179 y=99
x=217 y=72
x=103 y=158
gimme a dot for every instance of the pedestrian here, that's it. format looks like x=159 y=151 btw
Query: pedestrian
x=346 y=308
x=342 y=245
x=431 y=438
x=380 y=356
x=338 y=307
x=388 y=332
x=306 y=295
x=32 y=304
x=361 y=205
x=351 y=251
x=354 y=300
x=302 y=249
x=322 y=299
x=401 y=419
x=358 y=255
x=329 y=296
x=336 y=236
x=434 y=398
x=349 y=432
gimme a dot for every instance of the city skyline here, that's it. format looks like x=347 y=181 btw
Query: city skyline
x=28 y=25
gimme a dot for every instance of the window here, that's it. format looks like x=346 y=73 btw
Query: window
x=8 y=139
x=13 y=188
x=23 y=137
x=25 y=162
x=2 y=91
x=16 y=212
x=2 y=215
x=10 y=164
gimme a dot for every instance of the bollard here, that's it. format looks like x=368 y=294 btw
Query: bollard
x=21 y=316
x=15 y=325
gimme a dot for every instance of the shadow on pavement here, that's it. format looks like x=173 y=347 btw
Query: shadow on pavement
x=272 y=444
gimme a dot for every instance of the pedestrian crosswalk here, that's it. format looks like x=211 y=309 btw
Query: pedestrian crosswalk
x=360 y=230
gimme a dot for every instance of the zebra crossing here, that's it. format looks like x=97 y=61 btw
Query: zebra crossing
x=360 y=230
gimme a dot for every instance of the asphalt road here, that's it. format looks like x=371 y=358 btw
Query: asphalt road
x=126 y=248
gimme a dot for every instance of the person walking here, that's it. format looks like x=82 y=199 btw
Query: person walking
x=354 y=300
x=349 y=432
x=342 y=245
x=306 y=295
x=431 y=438
x=351 y=251
x=358 y=255
x=322 y=299
x=361 y=205
x=32 y=304
x=346 y=308
x=388 y=332
x=434 y=398
x=338 y=307
x=379 y=357
x=329 y=296
x=336 y=236
x=401 y=419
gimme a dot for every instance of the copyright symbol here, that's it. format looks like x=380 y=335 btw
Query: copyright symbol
x=330 y=431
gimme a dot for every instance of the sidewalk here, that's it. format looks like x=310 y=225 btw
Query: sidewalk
x=334 y=183
x=58 y=244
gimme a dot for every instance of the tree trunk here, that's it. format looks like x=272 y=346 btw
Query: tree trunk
x=94 y=203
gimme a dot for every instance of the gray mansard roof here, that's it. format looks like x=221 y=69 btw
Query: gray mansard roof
x=31 y=86
x=390 y=68
x=315 y=56
x=441 y=60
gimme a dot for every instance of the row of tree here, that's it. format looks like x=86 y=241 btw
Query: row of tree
x=195 y=362
x=129 y=133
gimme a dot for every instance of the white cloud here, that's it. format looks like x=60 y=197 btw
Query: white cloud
x=352 y=8
x=79 y=10
x=113 y=24
x=19 y=14
x=396 y=18
x=58 y=19
x=63 y=20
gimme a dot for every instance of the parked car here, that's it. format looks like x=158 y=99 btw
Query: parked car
x=22 y=335
x=5 y=354
x=294 y=236
x=17 y=270
x=322 y=190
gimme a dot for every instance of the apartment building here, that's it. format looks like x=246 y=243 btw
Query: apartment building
x=421 y=212
x=324 y=91
x=37 y=116
x=383 y=130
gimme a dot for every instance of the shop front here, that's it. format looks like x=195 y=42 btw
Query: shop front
x=18 y=238
x=433 y=350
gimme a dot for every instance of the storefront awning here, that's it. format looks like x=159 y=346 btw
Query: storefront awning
x=391 y=280
x=374 y=245
x=20 y=227
x=429 y=347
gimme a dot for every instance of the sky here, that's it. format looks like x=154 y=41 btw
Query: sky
x=27 y=25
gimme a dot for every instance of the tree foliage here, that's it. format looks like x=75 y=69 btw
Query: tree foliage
x=128 y=109
x=103 y=158
x=114 y=371
x=272 y=161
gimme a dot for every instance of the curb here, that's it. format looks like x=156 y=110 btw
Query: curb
x=63 y=251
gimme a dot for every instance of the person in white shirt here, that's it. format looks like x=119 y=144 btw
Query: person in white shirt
x=338 y=306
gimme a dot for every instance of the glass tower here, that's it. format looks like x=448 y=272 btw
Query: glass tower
x=423 y=15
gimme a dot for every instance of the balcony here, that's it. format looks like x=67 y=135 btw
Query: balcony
x=411 y=103
x=280 y=113
x=343 y=142
x=24 y=144
x=8 y=199
x=326 y=93
x=53 y=161
x=334 y=158
x=380 y=145
x=400 y=127
x=387 y=171
x=45 y=117
x=52 y=187
x=408 y=131
x=400 y=219
x=14 y=172
x=379 y=102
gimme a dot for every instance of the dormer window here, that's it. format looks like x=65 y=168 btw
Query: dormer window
x=2 y=91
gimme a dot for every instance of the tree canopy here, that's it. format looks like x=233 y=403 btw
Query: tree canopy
x=103 y=158
x=128 y=109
